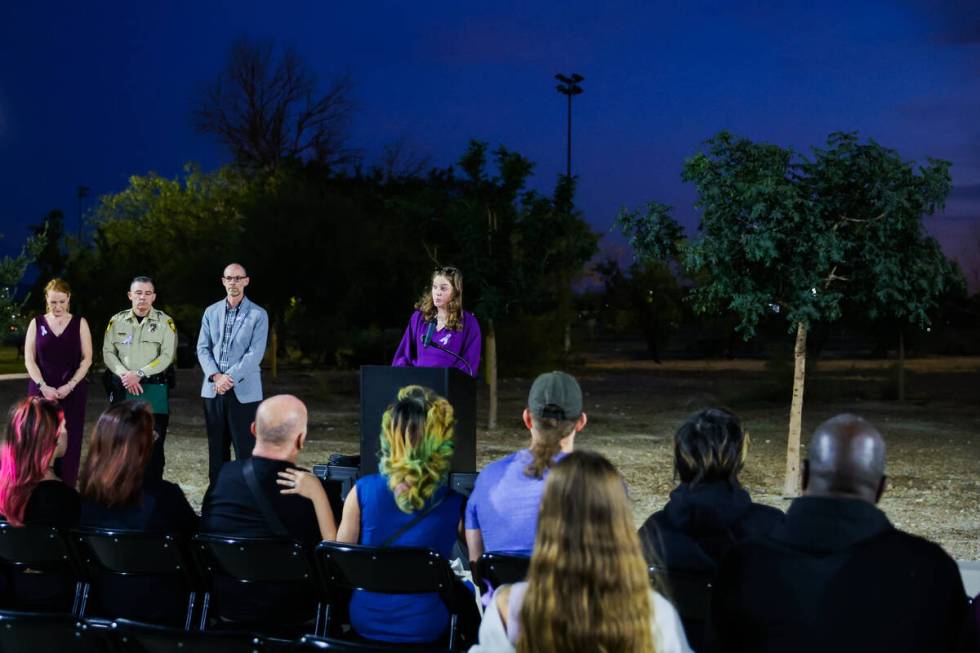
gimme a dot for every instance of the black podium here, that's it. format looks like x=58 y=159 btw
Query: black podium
x=379 y=389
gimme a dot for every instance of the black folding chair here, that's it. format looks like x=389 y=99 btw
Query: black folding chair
x=40 y=569
x=397 y=571
x=34 y=632
x=244 y=568
x=311 y=643
x=136 y=637
x=130 y=568
x=500 y=569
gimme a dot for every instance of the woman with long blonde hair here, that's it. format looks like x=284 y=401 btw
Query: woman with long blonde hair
x=587 y=587
x=440 y=333
x=408 y=503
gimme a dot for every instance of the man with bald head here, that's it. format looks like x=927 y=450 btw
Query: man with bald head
x=836 y=575
x=258 y=497
x=230 y=348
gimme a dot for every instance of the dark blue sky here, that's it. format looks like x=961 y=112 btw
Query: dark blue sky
x=91 y=93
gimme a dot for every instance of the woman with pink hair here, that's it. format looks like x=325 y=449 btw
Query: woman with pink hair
x=30 y=492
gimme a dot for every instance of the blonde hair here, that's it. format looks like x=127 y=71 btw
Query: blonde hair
x=416 y=446
x=550 y=432
x=587 y=586
x=454 y=310
x=57 y=285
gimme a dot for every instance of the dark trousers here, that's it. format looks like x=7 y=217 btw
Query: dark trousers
x=229 y=422
x=154 y=468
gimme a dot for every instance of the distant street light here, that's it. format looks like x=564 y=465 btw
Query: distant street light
x=569 y=87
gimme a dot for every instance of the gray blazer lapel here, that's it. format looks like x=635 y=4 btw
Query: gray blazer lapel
x=242 y=316
x=221 y=324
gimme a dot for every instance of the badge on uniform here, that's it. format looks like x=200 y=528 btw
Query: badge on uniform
x=153 y=327
x=128 y=340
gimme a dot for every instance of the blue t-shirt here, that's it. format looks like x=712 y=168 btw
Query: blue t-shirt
x=504 y=504
x=409 y=618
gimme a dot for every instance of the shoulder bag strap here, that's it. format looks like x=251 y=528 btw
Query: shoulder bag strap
x=419 y=517
x=265 y=507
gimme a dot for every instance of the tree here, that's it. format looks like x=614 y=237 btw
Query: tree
x=179 y=231
x=785 y=235
x=900 y=274
x=265 y=107
x=51 y=258
x=12 y=269
x=521 y=249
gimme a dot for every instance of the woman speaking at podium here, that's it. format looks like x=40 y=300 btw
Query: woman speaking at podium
x=440 y=333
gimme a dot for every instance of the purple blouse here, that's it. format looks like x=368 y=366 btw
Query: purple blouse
x=466 y=343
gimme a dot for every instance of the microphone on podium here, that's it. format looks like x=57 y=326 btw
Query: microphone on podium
x=430 y=330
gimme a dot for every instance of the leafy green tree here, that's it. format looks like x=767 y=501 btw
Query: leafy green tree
x=786 y=235
x=12 y=269
x=647 y=297
x=178 y=231
x=521 y=249
x=896 y=274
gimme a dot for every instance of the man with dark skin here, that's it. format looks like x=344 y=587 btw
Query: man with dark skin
x=837 y=576
x=845 y=459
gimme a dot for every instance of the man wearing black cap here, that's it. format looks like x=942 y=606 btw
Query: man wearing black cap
x=502 y=511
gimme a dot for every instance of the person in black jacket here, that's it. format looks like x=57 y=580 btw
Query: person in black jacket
x=116 y=494
x=836 y=575
x=707 y=514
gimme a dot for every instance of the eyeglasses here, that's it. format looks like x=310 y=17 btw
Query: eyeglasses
x=447 y=271
x=235 y=279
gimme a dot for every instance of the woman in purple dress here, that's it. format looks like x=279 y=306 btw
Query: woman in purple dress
x=58 y=353
x=440 y=333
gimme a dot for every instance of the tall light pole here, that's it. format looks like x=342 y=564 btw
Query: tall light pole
x=569 y=87
x=81 y=193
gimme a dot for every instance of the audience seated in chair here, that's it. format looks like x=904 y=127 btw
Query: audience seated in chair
x=836 y=575
x=587 y=588
x=407 y=504
x=31 y=494
x=114 y=495
x=707 y=514
x=502 y=511
x=268 y=496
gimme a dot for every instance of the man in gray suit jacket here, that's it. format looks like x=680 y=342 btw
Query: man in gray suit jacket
x=230 y=348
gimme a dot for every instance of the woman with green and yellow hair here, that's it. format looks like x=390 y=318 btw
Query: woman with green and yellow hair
x=408 y=503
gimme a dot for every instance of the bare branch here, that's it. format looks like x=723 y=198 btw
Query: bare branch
x=431 y=252
x=266 y=109
x=844 y=219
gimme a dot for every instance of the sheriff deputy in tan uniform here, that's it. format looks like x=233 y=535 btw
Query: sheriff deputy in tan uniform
x=138 y=348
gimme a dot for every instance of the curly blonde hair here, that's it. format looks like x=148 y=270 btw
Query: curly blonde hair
x=587 y=587
x=454 y=310
x=416 y=446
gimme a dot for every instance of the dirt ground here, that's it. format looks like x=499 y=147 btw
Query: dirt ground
x=634 y=405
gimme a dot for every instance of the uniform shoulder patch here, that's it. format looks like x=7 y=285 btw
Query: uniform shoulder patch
x=170 y=323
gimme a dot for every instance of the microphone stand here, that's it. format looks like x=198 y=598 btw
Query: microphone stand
x=454 y=354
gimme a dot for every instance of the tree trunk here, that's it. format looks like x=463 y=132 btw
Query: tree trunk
x=274 y=343
x=491 y=372
x=901 y=364
x=791 y=486
x=565 y=314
